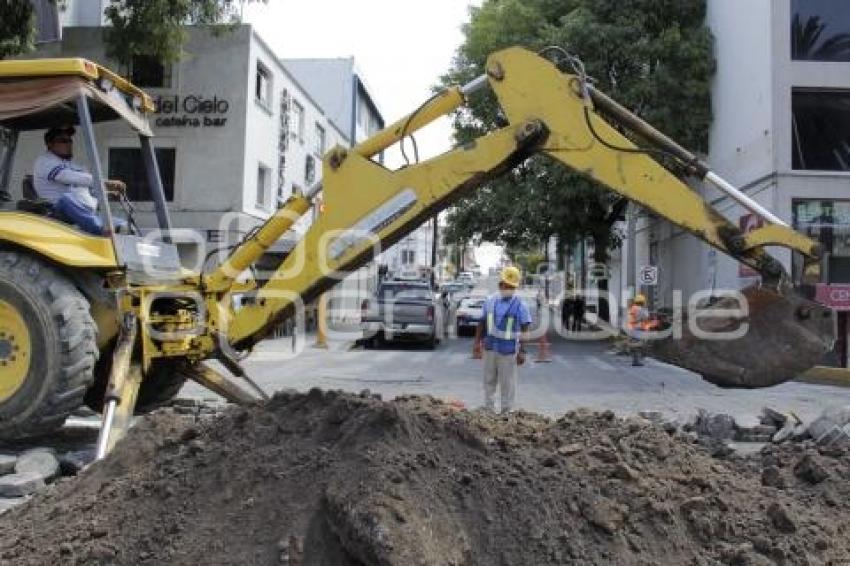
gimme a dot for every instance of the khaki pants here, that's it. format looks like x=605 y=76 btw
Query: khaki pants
x=500 y=370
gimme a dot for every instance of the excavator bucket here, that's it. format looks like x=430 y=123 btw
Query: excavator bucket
x=786 y=334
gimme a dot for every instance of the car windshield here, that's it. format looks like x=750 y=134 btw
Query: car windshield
x=405 y=291
x=472 y=302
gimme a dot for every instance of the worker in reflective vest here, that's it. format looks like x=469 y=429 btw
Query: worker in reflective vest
x=636 y=325
x=503 y=328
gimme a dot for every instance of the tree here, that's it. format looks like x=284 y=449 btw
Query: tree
x=17 y=27
x=156 y=28
x=653 y=56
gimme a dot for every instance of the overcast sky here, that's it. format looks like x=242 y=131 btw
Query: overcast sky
x=400 y=46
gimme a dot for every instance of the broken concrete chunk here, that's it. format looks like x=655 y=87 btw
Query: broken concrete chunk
x=747 y=422
x=801 y=433
x=785 y=433
x=38 y=461
x=718 y=427
x=834 y=437
x=773 y=417
x=839 y=415
x=20 y=484
x=7 y=463
x=757 y=433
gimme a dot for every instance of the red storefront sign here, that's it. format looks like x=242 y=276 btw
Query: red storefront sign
x=835 y=296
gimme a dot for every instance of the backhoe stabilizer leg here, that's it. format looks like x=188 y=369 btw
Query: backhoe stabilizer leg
x=220 y=384
x=122 y=389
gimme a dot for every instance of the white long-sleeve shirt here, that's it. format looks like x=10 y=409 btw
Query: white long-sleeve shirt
x=54 y=177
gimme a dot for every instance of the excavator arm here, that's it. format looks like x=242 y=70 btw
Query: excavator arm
x=368 y=207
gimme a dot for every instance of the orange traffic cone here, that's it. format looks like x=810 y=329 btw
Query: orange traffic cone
x=543 y=353
x=477 y=352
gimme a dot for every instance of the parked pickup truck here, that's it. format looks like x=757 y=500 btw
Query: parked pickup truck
x=401 y=310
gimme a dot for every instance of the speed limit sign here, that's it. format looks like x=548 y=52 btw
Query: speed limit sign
x=649 y=275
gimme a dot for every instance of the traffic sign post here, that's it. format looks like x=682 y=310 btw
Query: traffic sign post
x=648 y=275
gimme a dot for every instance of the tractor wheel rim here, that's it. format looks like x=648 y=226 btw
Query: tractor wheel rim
x=15 y=350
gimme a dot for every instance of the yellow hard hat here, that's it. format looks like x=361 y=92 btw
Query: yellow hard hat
x=640 y=299
x=510 y=276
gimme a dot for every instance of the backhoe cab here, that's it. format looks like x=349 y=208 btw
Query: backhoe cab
x=126 y=337
x=59 y=286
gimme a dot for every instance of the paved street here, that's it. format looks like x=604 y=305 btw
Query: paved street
x=581 y=375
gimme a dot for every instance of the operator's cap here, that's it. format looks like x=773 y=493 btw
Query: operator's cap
x=56 y=131
x=640 y=299
x=510 y=276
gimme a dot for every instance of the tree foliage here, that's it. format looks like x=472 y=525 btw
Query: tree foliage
x=653 y=56
x=17 y=27
x=155 y=28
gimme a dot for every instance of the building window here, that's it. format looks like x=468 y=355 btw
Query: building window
x=147 y=72
x=263 y=86
x=310 y=170
x=820 y=30
x=408 y=257
x=126 y=164
x=820 y=130
x=826 y=222
x=264 y=176
x=320 y=140
x=297 y=121
x=363 y=115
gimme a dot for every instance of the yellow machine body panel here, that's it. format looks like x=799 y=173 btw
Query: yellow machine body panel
x=60 y=242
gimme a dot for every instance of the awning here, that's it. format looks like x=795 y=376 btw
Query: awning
x=38 y=104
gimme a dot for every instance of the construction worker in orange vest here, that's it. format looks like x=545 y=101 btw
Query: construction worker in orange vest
x=637 y=324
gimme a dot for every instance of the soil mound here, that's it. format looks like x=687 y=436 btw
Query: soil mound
x=335 y=479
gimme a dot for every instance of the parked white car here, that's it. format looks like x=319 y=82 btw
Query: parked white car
x=468 y=313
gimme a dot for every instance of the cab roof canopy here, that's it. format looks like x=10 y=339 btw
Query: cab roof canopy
x=41 y=93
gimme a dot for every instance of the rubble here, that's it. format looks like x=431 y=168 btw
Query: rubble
x=7 y=463
x=20 y=484
x=331 y=478
x=38 y=461
x=810 y=470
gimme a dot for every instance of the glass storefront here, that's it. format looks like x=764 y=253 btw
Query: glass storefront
x=828 y=222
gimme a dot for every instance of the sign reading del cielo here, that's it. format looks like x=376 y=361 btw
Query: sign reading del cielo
x=190 y=111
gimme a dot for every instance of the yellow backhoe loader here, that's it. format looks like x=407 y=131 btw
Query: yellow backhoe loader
x=116 y=321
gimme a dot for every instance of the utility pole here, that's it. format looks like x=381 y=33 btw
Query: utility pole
x=322 y=307
x=631 y=250
x=435 y=234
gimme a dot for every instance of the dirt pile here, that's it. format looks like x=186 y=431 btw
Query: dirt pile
x=335 y=479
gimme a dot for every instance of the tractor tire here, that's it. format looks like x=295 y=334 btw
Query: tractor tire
x=160 y=385
x=48 y=346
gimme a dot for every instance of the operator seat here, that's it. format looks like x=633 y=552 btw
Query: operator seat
x=31 y=202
